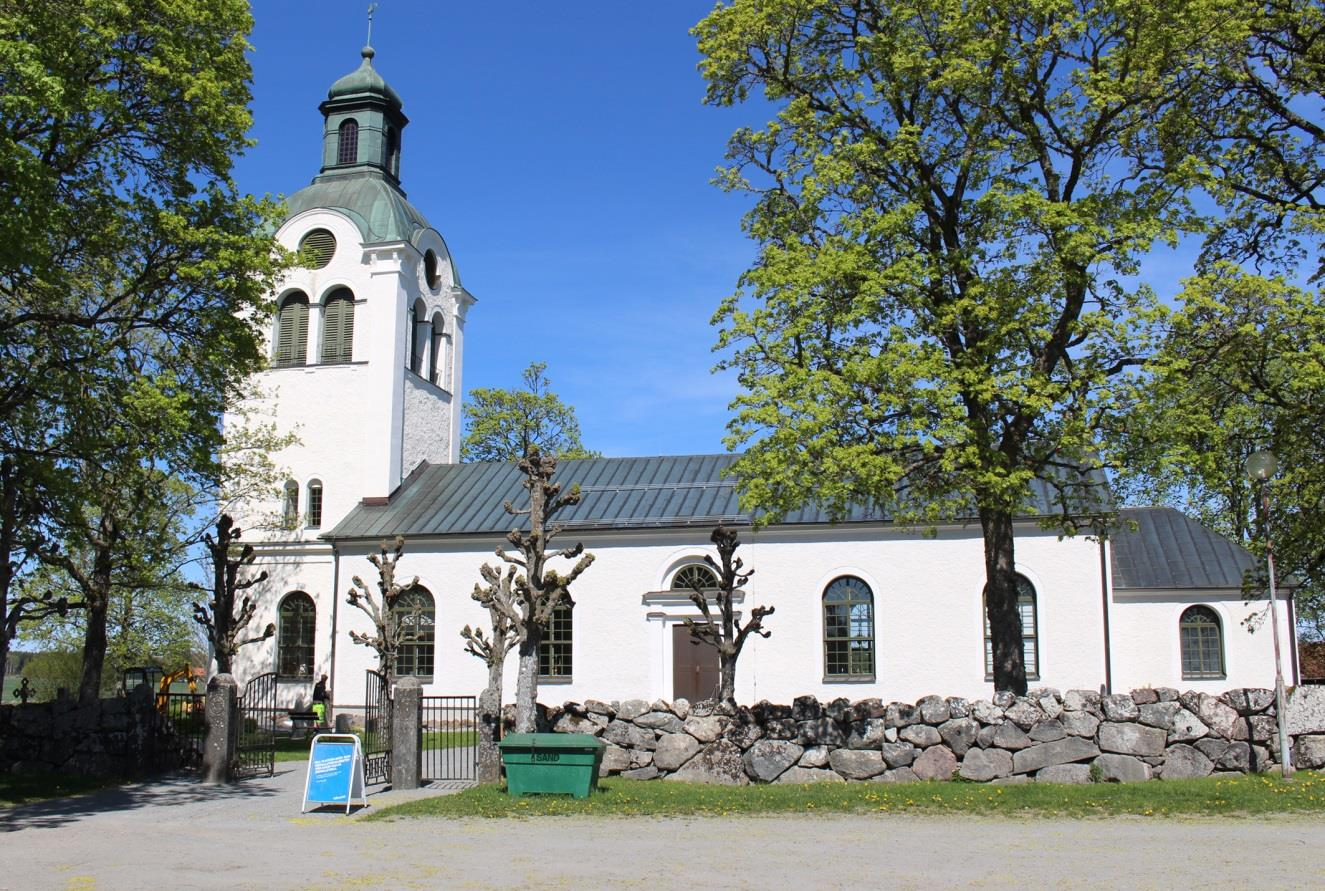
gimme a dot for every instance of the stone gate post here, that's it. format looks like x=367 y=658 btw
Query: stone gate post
x=218 y=751
x=406 y=718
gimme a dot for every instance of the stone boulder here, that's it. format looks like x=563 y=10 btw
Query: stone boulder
x=958 y=707
x=808 y=775
x=1183 y=762
x=1079 y=723
x=674 y=749
x=1132 y=739
x=1305 y=710
x=814 y=756
x=1222 y=720
x=598 y=707
x=665 y=722
x=1248 y=700
x=631 y=709
x=615 y=760
x=933 y=710
x=628 y=736
x=1186 y=727
x=1024 y=713
x=1010 y=736
x=718 y=763
x=743 y=734
x=768 y=759
x=1122 y=768
x=1309 y=751
x=1048 y=731
x=648 y=772
x=1074 y=774
x=681 y=708
x=1081 y=700
x=900 y=714
x=569 y=723
x=823 y=732
x=900 y=775
x=983 y=765
x=1119 y=707
x=867 y=734
x=959 y=734
x=986 y=712
x=1144 y=696
x=866 y=709
x=1063 y=751
x=935 y=763
x=806 y=708
x=1159 y=714
x=705 y=729
x=899 y=754
x=920 y=735
x=1236 y=757
x=857 y=764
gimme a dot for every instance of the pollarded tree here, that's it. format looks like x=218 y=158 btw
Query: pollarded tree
x=950 y=209
x=527 y=601
x=492 y=648
x=225 y=627
x=390 y=629
x=726 y=633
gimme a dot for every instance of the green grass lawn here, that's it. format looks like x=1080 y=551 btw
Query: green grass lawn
x=288 y=749
x=617 y=797
x=16 y=790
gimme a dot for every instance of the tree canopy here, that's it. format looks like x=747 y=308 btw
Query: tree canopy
x=951 y=207
x=504 y=425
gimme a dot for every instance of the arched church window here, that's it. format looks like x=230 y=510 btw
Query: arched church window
x=290 y=505
x=554 y=650
x=347 y=142
x=1202 y=640
x=294 y=639
x=338 y=327
x=416 y=614
x=848 y=629
x=694 y=575
x=436 y=367
x=313 y=516
x=292 y=330
x=1030 y=641
x=418 y=336
x=319 y=246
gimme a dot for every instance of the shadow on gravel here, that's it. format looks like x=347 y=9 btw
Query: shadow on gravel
x=166 y=792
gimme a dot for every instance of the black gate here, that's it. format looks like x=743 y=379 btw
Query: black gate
x=256 y=753
x=183 y=727
x=448 y=738
x=377 y=729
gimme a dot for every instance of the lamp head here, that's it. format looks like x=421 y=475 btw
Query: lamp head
x=1261 y=465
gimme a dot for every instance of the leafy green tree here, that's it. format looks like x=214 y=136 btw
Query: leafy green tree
x=949 y=207
x=133 y=284
x=503 y=425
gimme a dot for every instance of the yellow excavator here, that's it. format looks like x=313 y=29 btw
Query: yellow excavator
x=167 y=680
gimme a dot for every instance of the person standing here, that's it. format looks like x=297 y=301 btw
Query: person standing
x=322 y=702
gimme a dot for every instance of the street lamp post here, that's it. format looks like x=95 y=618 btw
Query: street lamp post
x=1261 y=466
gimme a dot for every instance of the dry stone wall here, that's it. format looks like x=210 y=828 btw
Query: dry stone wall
x=1048 y=736
x=117 y=737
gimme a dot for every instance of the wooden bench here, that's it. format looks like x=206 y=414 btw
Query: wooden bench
x=302 y=722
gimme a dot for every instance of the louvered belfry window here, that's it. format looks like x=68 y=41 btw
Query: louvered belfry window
x=338 y=327
x=292 y=331
x=318 y=246
x=347 y=145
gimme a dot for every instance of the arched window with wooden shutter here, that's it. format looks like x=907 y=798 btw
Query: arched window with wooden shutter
x=292 y=330
x=347 y=143
x=436 y=367
x=418 y=336
x=338 y=327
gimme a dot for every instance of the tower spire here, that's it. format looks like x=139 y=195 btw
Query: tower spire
x=372 y=8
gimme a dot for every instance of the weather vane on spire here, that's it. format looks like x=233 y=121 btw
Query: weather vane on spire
x=372 y=8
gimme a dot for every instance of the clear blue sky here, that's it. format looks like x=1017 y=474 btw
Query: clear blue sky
x=563 y=152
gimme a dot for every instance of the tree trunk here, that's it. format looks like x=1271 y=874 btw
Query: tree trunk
x=489 y=726
x=94 y=641
x=526 y=684
x=728 y=669
x=4 y=654
x=1001 y=602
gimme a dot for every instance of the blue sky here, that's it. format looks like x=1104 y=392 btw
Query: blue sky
x=564 y=153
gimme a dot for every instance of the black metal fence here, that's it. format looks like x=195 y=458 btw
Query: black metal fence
x=183 y=727
x=256 y=753
x=449 y=738
x=377 y=729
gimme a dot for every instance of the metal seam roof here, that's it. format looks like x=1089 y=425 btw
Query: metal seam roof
x=619 y=493
x=1168 y=549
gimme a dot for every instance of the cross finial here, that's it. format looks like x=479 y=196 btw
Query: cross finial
x=372 y=8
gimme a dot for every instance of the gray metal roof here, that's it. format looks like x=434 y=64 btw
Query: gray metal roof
x=618 y=493
x=1168 y=549
x=377 y=207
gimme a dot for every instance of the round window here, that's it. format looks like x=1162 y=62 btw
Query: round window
x=318 y=247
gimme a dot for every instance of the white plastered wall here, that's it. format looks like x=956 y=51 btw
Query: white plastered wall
x=1148 y=651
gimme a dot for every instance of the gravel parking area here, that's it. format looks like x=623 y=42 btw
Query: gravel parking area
x=176 y=834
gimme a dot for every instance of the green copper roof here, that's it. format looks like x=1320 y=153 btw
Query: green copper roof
x=363 y=80
x=377 y=207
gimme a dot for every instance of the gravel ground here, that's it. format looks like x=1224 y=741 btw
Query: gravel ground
x=175 y=834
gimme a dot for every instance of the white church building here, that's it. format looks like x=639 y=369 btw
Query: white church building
x=367 y=349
